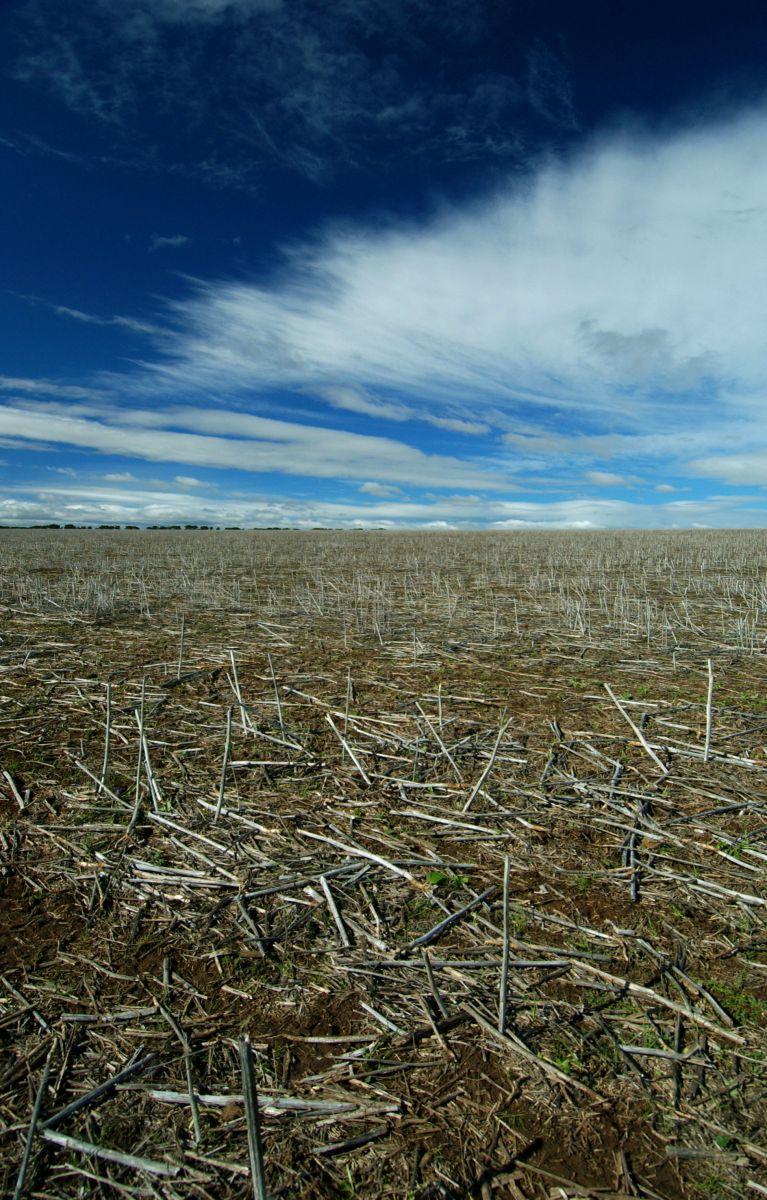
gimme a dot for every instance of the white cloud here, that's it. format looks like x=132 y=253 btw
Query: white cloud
x=172 y=241
x=44 y=387
x=722 y=512
x=580 y=298
x=119 y=477
x=606 y=479
x=164 y=505
x=383 y=490
x=129 y=323
x=745 y=468
x=665 y=487
x=237 y=441
x=458 y=425
x=359 y=401
x=188 y=481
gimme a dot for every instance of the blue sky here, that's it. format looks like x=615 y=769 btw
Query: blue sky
x=402 y=263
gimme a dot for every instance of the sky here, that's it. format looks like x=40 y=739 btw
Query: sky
x=383 y=263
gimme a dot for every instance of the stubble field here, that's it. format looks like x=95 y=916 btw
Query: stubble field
x=383 y=865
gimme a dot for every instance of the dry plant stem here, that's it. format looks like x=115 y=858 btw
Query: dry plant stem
x=348 y=700
x=246 y=726
x=356 y=852
x=37 y=1109
x=478 y=785
x=14 y=790
x=709 y=711
x=253 y=1120
x=139 y=714
x=107 y=731
x=440 y=743
x=166 y=1169
x=432 y=984
x=638 y=990
x=97 y=1093
x=348 y=749
x=100 y=785
x=187 y=1051
x=180 y=648
x=504 y=984
x=154 y=790
x=431 y=936
x=334 y=912
x=273 y=1105
x=41 y=1021
x=516 y=1044
x=640 y=736
x=354 y=1143
x=224 y=765
x=276 y=696
x=123 y=1189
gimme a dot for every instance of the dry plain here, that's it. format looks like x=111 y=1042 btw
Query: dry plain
x=448 y=848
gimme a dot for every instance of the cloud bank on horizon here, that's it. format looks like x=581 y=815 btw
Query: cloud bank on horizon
x=576 y=339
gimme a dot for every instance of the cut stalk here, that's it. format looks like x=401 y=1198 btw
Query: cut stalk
x=709 y=711
x=250 y=1095
x=224 y=765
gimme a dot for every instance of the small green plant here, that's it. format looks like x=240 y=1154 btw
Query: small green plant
x=347 y=1187
x=724 y=1142
x=518 y=923
x=565 y=1057
x=578 y=685
x=744 y=1007
x=651 y=1040
x=435 y=878
x=714 y=1186
x=449 y=881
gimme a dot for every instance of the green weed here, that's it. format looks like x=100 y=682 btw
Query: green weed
x=742 y=1006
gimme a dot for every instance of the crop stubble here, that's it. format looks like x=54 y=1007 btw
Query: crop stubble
x=465 y=833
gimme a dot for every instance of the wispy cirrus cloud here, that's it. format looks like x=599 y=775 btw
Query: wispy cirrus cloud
x=358 y=401
x=132 y=324
x=172 y=241
x=574 y=311
x=612 y=479
x=240 y=442
x=47 y=387
x=382 y=490
x=315 y=88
